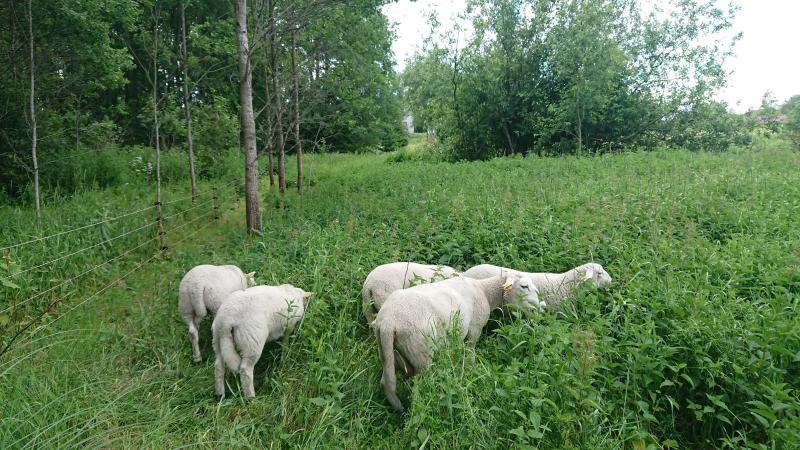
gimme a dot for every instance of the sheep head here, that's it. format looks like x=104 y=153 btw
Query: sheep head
x=595 y=273
x=520 y=291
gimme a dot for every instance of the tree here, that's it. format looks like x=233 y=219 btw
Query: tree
x=33 y=114
x=187 y=104
x=792 y=128
x=570 y=75
x=326 y=68
x=277 y=98
x=298 y=143
x=248 y=120
x=74 y=65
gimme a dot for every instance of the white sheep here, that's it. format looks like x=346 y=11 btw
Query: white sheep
x=249 y=319
x=202 y=290
x=412 y=319
x=553 y=287
x=387 y=278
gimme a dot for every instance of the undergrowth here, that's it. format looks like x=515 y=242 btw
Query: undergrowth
x=696 y=345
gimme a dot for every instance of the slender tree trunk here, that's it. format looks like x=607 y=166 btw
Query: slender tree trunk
x=77 y=123
x=455 y=85
x=187 y=104
x=278 y=100
x=579 y=131
x=269 y=132
x=156 y=124
x=511 y=146
x=248 y=120
x=33 y=118
x=298 y=144
x=12 y=26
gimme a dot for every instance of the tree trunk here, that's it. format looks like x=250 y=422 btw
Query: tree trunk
x=298 y=144
x=159 y=219
x=187 y=104
x=33 y=118
x=273 y=37
x=511 y=147
x=248 y=120
x=77 y=123
x=579 y=131
x=269 y=128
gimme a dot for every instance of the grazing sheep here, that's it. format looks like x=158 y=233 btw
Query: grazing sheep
x=249 y=319
x=203 y=290
x=553 y=287
x=385 y=279
x=411 y=319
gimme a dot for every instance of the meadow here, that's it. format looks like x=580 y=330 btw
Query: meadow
x=695 y=345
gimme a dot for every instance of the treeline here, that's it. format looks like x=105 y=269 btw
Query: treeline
x=570 y=76
x=105 y=73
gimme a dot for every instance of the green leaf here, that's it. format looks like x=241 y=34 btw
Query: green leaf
x=319 y=401
x=8 y=283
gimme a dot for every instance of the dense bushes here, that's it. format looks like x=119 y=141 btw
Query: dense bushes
x=85 y=170
x=570 y=76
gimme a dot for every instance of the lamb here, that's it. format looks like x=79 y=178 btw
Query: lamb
x=412 y=319
x=203 y=290
x=249 y=319
x=387 y=278
x=553 y=287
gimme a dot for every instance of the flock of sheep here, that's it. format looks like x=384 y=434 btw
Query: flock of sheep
x=408 y=305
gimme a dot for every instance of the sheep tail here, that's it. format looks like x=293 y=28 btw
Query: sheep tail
x=223 y=345
x=389 y=378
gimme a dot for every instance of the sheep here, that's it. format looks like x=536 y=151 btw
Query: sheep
x=249 y=319
x=202 y=290
x=553 y=287
x=411 y=319
x=387 y=278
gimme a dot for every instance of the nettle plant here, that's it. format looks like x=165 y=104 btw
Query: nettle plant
x=141 y=167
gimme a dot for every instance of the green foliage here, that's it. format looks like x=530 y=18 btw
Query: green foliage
x=695 y=345
x=354 y=104
x=76 y=64
x=216 y=129
x=566 y=76
x=94 y=78
x=709 y=126
x=792 y=128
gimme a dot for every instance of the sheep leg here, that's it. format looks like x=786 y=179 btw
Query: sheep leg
x=472 y=340
x=246 y=377
x=219 y=377
x=194 y=337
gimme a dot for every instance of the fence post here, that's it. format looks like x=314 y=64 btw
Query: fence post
x=215 y=203
x=160 y=224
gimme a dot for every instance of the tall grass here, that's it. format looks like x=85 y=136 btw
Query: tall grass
x=696 y=345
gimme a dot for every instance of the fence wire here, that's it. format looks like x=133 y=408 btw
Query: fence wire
x=104 y=288
x=84 y=227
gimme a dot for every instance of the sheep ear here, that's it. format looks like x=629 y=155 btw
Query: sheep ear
x=589 y=274
x=307 y=294
x=508 y=285
x=250 y=274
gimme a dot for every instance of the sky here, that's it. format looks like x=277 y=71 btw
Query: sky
x=766 y=58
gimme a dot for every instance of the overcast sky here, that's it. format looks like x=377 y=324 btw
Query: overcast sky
x=766 y=58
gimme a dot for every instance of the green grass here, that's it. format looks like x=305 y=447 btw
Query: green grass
x=697 y=345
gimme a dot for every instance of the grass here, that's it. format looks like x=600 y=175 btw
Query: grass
x=697 y=344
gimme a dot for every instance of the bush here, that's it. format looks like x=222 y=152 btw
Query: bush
x=792 y=127
x=216 y=130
